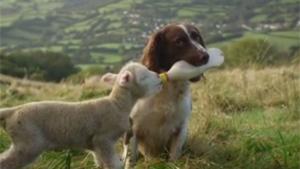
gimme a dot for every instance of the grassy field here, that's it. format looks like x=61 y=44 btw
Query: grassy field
x=242 y=119
x=281 y=39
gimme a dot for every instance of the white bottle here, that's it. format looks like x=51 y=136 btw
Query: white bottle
x=182 y=70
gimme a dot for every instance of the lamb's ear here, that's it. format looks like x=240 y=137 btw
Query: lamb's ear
x=109 y=78
x=125 y=78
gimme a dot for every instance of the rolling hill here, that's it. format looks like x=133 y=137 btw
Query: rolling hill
x=111 y=31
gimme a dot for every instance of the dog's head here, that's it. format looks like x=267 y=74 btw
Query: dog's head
x=173 y=43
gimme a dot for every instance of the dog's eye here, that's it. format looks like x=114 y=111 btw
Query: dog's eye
x=195 y=36
x=180 y=41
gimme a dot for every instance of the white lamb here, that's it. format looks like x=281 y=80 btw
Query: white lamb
x=94 y=125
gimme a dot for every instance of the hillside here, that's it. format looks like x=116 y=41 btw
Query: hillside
x=110 y=31
x=242 y=119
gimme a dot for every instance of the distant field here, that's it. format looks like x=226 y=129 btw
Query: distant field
x=259 y=18
x=80 y=26
x=283 y=39
x=85 y=66
x=8 y=20
x=107 y=26
x=106 y=58
x=25 y=10
x=112 y=59
x=288 y=34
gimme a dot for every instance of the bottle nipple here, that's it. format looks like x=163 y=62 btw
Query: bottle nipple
x=164 y=77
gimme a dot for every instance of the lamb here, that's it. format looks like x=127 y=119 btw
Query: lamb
x=93 y=125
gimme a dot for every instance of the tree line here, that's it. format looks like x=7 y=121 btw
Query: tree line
x=37 y=65
x=53 y=66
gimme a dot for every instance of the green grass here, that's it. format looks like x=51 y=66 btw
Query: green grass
x=55 y=48
x=110 y=45
x=28 y=10
x=109 y=59
x=114 y=25
x=71 y=41
x=288 y=1
x=182 y=2
x=121 y=5
x=20 y=33
x=80 y=26
x=8 y=20
x=106 y=58
x=86 y=66
x=241 y=119
x=117 y=32
x=186 y=13
x=288 y=34
x=259 y=18
x=113 y=17
x=115 y=46
x=281 y=42
x=76 y=47
x=50 y=48
x=282 y=39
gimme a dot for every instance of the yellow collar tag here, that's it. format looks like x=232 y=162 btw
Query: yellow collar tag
x=164 y=77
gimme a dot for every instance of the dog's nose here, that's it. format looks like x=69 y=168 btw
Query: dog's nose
x=200 y=58
x=205 y=58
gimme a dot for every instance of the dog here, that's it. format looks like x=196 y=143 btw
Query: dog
x=159 y=123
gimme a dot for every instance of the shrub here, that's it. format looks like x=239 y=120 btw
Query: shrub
x=249 y=51
x=85 y=73
x=37 y=65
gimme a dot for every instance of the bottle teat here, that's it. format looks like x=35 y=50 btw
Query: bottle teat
x=164 y=77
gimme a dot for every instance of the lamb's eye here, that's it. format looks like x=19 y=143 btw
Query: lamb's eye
x=143 y=78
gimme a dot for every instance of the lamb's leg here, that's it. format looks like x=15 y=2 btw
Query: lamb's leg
x=17 y=156
x=104 y=153
x=177 y=141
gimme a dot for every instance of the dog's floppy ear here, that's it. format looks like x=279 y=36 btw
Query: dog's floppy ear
x=152 y=52
x=109 y=78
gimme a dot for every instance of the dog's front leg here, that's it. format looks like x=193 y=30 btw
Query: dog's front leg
x=131 y=150
x=104 y=153
x=128 y=135
x=179 y=136
x=177 y=141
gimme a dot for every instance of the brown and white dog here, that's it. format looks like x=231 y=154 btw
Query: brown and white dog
x=159 y=123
